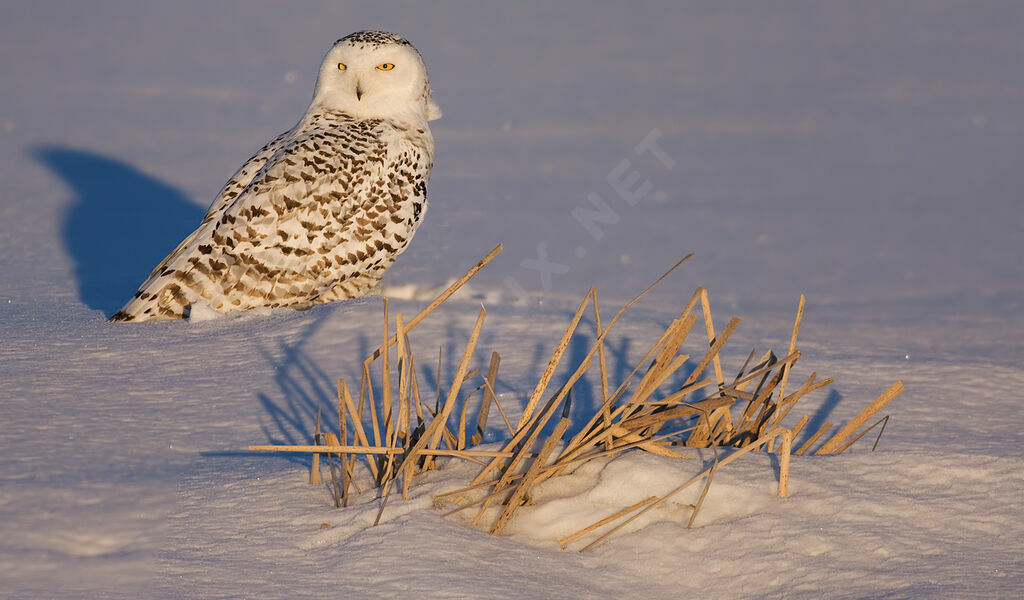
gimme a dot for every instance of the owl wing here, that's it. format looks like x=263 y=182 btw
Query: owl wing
x=231 y=190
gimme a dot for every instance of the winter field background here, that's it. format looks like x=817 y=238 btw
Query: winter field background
x=867 y=154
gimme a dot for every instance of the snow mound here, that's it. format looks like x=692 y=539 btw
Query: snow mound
x=424 y=292
x=202 y=311
x=559 y=506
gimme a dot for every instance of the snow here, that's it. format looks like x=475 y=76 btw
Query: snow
x=865 y=154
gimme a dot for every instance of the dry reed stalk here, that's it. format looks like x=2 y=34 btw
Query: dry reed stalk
x=387 y=401
x=780 y=412
x=879 y=403
x=343 y=439
x=885 y=422
x=460 y=375
x=459 y=509
x=447 y=293
x=462 y=421
x=854 y=439
x=530 y=477
x=497 y=404
x=556 y=357
x=467 y=453
x=428 y=463
x=332 y=440
x=746 y=364
x=387 y=462
x=800 y=425
x=366 y=384
x=385 y=378
x=357 y=418
x=625 y=511
x=792 y=349
x=485 y=405
x=357 y=425
x=606 y=414
x=314 y=470
x=691 y=303
x=384 y=500
x=784 y=452
x=432 y=434
x=659 y=449
x=814 y=438
x=710 y=327
x=404 y=416
x=764 y=365
x=703 y=494
x=712 y=352
x=337 y=449
x=437 y=379
x=470 y=488
x=415 y=383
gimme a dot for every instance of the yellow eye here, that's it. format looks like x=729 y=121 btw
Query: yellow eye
x=386 y=66
x=341 y=66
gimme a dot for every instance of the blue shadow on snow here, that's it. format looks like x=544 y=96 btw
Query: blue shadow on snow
x=119 y=226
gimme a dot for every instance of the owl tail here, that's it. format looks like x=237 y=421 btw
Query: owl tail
x=163 y=296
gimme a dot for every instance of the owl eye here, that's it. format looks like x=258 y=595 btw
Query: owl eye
x=341 y=66
x=386 y=66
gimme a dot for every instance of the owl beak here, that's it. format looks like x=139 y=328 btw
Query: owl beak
x=359 y=91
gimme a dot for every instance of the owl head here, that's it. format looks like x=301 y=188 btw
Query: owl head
x=374 y=74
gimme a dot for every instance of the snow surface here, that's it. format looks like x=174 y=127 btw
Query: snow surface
x=867 y=154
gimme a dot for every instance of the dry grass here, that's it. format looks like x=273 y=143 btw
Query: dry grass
x=643 y=413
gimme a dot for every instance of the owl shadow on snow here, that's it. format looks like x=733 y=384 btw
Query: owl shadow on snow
x=119 y=226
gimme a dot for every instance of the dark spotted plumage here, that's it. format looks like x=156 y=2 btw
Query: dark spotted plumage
x=374 y=38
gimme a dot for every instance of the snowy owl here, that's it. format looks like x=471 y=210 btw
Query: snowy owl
x=319 y=213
